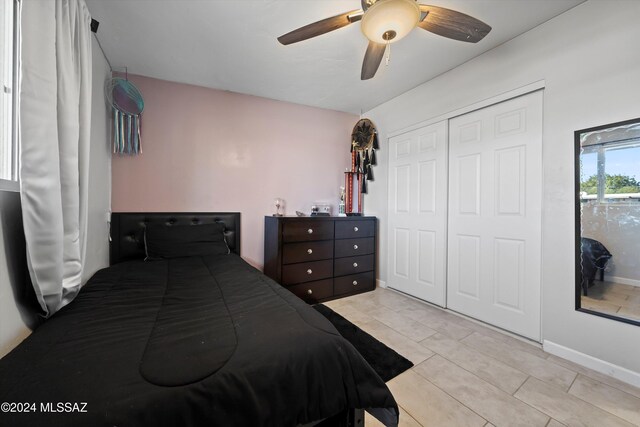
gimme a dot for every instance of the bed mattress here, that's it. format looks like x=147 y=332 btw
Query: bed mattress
x=186 y=341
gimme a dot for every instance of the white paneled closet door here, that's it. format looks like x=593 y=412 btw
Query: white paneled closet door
x=418 y=213
x=495 y=181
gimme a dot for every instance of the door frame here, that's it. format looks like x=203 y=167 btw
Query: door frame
x=515 y=93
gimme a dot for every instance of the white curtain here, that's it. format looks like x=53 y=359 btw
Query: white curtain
x=55 y=122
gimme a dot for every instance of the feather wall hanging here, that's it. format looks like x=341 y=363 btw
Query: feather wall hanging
x=364 y=142
x=127 y=105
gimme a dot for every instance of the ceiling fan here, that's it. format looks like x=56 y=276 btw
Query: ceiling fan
x=387 y=21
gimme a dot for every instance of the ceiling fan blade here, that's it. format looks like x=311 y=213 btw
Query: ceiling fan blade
x=452 y=24
x=321 y=27
x=372 y=59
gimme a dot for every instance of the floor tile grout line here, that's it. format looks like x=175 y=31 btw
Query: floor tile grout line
x=459 y=320
x=528 y=373
x=531 y=406
x=476 y=375
x=455 y=322
x=513 y=395
x=482 y=379
x=607 y=412
x=515 y=392
x=451 y=396
x=549 y=422
x=470 y=319
x=497 y=330
x=529 y=376
x=443 y=332
x=592 y=377
x=390 y=346
x=462 y=338
x=403 y=334
x=633 y=396
x=573 y=382
x=412 y=417
x=471 y=348
x=514 y=349
x=598 y=407
x=487 y=355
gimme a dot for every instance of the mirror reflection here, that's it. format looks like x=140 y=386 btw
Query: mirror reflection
x=608 y=220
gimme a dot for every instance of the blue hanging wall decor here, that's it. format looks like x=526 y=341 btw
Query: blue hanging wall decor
x=127 y=106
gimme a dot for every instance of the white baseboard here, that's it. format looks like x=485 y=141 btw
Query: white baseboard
x=621 y=280
x=381 y=283
x=615 y=371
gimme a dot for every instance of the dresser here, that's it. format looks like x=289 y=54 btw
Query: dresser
x=321 y=258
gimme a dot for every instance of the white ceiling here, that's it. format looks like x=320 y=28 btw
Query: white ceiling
x=231 y=45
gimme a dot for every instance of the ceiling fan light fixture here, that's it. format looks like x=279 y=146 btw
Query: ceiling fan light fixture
x=387 y=21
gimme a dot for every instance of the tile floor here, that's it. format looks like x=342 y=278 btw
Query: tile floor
x=466 y=374
x=613 y=298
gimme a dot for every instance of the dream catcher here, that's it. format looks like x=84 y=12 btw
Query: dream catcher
x=364 y=142
x=127 y=106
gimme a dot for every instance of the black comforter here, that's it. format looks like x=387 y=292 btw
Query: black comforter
x=188 y=342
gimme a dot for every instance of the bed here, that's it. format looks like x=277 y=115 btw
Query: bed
x=189 y=341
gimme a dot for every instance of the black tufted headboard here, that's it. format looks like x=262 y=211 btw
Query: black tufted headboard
x=127 y=230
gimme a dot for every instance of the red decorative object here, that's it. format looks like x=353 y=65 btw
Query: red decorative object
x=353 y=182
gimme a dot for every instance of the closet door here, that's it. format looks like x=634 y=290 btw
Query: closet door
x=418 y=213
x=495 y=181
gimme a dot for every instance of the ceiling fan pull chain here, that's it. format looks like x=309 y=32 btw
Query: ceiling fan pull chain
x=388 y=54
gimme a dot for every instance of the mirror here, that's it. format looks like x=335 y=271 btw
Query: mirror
x=608 y=220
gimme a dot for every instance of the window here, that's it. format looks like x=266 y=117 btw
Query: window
x=610 y=165
x=589 y=175
x=8 y=101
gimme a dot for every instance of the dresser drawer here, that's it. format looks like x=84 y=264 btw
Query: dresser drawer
x=353 y=283
x=352 y=247
x=312 y=292
x=302 y=252
x=351 y=265
x=306 y=272
x=302 y=231
x=355 y=229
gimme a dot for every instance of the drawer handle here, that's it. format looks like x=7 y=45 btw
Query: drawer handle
x=355 y=283
x=309 y=251
x=355 y=228
x=355 y=247
x=309 y=271
x=310 y=231
x=355 y=264
x=309 y=291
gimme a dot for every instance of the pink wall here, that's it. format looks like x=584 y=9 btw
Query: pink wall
x=211 y=150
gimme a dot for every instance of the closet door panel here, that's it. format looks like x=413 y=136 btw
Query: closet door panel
x=418 y=213
x=495 y=182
